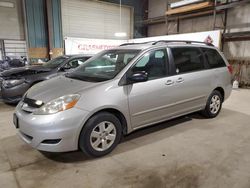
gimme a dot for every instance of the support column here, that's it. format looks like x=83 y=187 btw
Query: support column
x=54 y=28
x=2 y=49
x=36 y=23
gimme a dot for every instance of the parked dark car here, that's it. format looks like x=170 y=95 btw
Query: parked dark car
x=9 y=63
x=15 y=82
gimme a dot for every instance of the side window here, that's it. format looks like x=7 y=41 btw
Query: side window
x=187 y=59
x=75 y=63
x=213 y=58
x=143 y=61
x=82 y=60
x=128 y=58
x=154 y=63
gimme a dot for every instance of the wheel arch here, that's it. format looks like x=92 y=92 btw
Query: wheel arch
x=119 y=115
x=115 y=112
x=222 y=92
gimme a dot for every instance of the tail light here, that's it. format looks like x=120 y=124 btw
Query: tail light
x=230 y=69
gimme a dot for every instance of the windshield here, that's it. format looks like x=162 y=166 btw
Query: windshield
x=104 y=66
x=54 y=63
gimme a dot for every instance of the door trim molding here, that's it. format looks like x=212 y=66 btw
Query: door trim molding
x=169 y=105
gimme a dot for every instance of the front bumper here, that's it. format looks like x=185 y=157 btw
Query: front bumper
x=14 y=94
x=54 y=133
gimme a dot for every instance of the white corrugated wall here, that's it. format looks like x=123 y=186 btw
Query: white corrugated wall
x=11 y=20
x=93 y=19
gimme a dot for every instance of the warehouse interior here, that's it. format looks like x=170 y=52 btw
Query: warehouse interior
x=184 y=151
x=22 y=35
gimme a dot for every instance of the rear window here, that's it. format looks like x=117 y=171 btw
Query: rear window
x=213 y=58
x=187 y=59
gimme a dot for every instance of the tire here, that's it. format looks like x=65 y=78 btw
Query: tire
x=214 y=104
x=100 y=135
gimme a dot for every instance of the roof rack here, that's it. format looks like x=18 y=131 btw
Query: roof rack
x=126 y=44
x=168 y=41
x=183 y=41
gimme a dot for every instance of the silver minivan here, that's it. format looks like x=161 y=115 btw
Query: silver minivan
x=121 y=90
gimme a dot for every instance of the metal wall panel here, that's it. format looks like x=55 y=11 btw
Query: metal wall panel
x=57 y=24
x=140 y=13
x=92 y=19
x=156 y=8
x=11 y=21
x=15 y=48
x=36 y=23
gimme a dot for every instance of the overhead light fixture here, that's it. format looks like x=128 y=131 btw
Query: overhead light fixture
x=120 y=33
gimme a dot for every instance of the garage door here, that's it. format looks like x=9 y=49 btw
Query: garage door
x=15 y=48
x=92 y=19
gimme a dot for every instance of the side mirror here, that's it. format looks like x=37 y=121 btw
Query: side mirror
x=138 y=77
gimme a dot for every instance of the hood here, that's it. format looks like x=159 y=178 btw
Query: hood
x=57 y=87
x=24 y=71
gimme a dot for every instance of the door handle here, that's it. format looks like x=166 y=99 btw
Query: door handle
x=169 y=82
x=180 y=80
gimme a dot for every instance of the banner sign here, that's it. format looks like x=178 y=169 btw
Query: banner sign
x=92 y=46
x=89 y=46
x=213 y=37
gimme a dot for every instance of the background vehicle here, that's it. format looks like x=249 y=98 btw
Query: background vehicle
x=15 y=82
x=12 y=63
x=121 y=90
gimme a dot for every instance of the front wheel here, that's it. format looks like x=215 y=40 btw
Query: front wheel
x=213 y=105
x=100 y=135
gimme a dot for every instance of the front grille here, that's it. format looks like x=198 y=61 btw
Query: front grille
x=32 y=103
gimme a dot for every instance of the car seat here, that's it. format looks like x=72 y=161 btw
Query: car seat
x=156 y=67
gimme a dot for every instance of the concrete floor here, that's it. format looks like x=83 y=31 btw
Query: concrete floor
x=185 y=152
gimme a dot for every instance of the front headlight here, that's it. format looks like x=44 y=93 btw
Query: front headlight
x=12 y=83
x=57 y=105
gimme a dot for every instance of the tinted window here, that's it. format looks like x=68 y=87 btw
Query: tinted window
x=54 y=63
x=214 y=59
x=187 y=59
x=154 y=63
x=75 y=63
x=128 y=58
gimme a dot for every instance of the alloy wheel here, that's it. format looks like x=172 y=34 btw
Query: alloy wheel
x=103 y=136
x=215 y=104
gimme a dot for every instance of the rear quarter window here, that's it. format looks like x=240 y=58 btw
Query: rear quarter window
x=213 y=58
x=187 y=59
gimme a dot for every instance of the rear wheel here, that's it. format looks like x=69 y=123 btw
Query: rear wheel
x=213 y=105
x=100 y=135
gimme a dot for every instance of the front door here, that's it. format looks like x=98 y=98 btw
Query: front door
x=147 y=100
